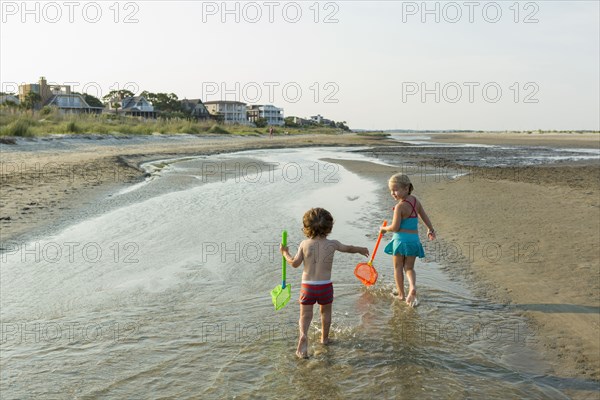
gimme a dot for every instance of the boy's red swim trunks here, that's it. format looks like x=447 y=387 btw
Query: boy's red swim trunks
x=311 y=293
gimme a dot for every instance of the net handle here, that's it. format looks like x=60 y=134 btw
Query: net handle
x=377 y=244
x=283 y=243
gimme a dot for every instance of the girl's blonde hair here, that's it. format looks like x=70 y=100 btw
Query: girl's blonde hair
x=402 y=181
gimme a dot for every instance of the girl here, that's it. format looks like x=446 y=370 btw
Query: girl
x=405 y=246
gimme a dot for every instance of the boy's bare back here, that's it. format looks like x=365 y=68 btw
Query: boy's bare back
x=317 y=255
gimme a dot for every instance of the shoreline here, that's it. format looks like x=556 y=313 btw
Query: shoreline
x=561 y=140
x=43 y=186
x=505 y=237
x=549 y=276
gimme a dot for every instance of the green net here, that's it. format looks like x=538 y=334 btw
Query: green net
x=281 y=296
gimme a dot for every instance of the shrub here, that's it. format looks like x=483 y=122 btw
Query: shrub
x=20 y=127
x=218 y=129
x=72 y=127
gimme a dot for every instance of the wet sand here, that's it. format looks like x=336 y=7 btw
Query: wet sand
x=41 y=187
x=525 y=237
x=576 y=140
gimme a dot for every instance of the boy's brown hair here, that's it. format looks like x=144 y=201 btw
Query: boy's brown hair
x=317 y=222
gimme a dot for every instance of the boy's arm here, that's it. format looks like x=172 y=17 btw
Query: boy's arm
x=350 y=249
x=296 y=261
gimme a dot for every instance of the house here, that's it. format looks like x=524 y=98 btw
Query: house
x=231 y=112
x=319 y=119
x=138 y=106
x=273 y=115
x=196 y=108
x=5 y=98
x=72 y=103
x=300 y=121
x=59 y=96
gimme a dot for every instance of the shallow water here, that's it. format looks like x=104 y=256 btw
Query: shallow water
x=167 y=293
x=485 y=155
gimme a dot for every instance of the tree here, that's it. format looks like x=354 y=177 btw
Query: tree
x=31 y=100
x=164 y=102
x=260 y=122
x=342 y=125
x=117 y=95
x=113 y=98
x=288 y=122
x=92 y=101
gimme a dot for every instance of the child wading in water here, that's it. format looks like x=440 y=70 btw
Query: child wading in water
x=317 y=254
x=405 y=246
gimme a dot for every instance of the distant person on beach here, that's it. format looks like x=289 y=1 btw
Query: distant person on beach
x=271 y=132
x=405 y=246
x=317 y=254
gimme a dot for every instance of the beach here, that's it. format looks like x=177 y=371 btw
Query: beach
x=39 y=187
x=523 y=237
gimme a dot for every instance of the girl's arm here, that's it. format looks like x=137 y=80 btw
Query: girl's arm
x=395 y=225
x=296 y=261
x=427 y=221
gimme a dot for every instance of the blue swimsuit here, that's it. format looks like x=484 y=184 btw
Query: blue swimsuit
x=407 y=244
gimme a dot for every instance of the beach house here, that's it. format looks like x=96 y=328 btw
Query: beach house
x=273 y=115
x=138 y=106
x=319 y=119
x=230 y=112
x=59 y=96
x=195 y=108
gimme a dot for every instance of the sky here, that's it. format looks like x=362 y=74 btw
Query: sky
x=473 y=65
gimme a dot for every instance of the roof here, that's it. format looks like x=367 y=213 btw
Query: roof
x=225 y=102
x=62 y=100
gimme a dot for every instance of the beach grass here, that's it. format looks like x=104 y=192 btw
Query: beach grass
x=26 y=124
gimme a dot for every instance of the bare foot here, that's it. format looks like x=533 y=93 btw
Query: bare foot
x=302 y=350
x=325 y=341
x=411 y=300
x=398 y=296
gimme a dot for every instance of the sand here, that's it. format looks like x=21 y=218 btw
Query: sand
x=575 y=140
x=528 y=237
x=39 y=188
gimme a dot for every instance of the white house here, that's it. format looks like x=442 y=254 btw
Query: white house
x=231 y=112
x=273 y=115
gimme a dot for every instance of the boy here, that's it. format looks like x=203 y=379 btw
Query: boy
x=317 y=254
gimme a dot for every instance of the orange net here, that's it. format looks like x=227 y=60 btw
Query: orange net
x=366 y=273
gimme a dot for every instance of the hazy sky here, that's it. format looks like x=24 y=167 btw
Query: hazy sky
x=380 y=65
